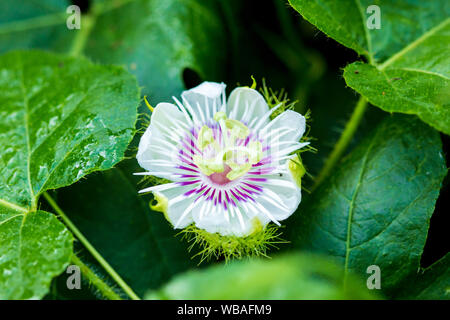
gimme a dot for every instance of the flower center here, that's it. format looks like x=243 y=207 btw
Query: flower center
x=227 y=152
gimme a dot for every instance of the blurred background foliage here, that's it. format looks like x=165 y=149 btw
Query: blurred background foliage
x=172 y=45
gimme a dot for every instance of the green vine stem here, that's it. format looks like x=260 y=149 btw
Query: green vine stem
x=93 y=279
x=343 y=142
x=33 y=23
x=114 y=275
x=79 y=42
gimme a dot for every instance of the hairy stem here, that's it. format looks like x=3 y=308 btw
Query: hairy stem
x=104 y=289
x=114 y=275
x=343 y=142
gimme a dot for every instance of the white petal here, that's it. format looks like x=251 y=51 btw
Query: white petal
x=280 y=199
x=164 y=114
x=246 y=104
x=226 y=222
x=204 y=100
x=144 y=147
x=176 y=209
x=292 y=121
x=155 y=144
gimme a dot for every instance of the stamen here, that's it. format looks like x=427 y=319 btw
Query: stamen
x=239 y=171
x=220 y=116
x=205 y=137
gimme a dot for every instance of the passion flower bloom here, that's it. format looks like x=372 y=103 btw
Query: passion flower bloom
x=232 y=168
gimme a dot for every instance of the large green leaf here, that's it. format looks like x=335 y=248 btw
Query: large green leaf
x=376 y=207
x=432 y=283
x=292 y=276
x=420 y=86
x=60 y=119
x=156 y=40
x=167 y=37
x=408 y=56
x=402 y=22
x=34 y=247
x=139 y=243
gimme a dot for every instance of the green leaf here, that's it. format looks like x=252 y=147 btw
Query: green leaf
x=139 y=243
x=408 y=87
x=34 y=248
x=432 y=283
x=61 y=119
x=376 y=207
x=346 y=22
x=155 y=40
x=292 y=276
x=408 y=72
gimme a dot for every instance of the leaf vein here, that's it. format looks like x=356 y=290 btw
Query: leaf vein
x=352 y=204
x=27 y=131
x=414 y=44
x=366 y=32
x=13 y=206
x=11 y=218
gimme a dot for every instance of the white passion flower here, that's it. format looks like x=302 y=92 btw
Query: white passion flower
x=232 y=168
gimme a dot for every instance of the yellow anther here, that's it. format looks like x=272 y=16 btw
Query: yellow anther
x=238 y=129
x=239 y=171
x=148 y=104
x=220 y=116
x=205 y=137
x=237 y=160
x=233 y=158
x=208 y=166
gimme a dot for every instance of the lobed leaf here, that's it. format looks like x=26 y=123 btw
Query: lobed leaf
x=416 y=82
x=408 y=70
x=432 y=283
x=60 y=119
x=376 y=207
x=34 y=248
